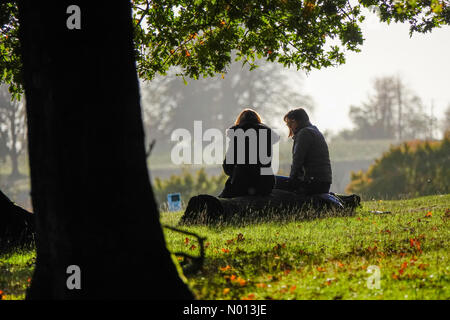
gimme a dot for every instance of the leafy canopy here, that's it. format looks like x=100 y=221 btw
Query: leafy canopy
x=202 y=37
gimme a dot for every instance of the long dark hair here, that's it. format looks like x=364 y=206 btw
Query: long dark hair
x=248 y=115
x=298 y=115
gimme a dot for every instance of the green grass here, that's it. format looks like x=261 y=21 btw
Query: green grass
x=328 y=258
x=325 y=258
x=15 y=271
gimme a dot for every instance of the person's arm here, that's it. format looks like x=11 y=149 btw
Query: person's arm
x=227 y=168
x=302 y=146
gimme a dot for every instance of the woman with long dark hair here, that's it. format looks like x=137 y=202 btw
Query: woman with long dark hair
x=249 y=157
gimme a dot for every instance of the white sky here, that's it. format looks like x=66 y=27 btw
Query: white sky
x=423 y=62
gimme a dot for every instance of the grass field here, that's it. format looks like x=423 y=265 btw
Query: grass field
x=328 y=258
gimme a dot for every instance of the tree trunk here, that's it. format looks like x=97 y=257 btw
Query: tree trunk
x=399 y=116
x=14 y=163
x=90 y=186
x=13 y=154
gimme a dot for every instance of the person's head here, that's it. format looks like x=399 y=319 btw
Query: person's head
x=295 y=119
x=248 y=115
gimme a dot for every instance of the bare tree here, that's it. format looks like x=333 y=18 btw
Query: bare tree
x=269 y=89
x=12 y=129
x=393 y=111
x=445 y=124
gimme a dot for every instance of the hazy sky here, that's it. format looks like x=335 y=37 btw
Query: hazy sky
x=423 y=62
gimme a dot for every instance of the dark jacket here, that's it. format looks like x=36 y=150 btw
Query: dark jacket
x=310 y=156
x=248 y=166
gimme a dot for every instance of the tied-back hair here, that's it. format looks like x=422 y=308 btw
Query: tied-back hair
x=298 y=115
x=248 y=115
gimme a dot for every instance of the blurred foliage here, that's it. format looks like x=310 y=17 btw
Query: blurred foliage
x=10 y=63
x=411 y=169
x=169 y=104
x=199 y=36
x=188 y=185
x=445 y=122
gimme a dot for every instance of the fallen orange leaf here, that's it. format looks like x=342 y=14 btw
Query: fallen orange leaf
x=225 y=268
x=242 y=282
x=403 y=267
x=251 y=296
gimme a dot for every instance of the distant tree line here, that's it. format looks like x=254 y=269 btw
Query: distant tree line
x=414 y=168
x=170 y=103
x=392 y=111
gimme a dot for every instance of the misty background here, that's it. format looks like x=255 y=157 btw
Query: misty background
x=394 y=90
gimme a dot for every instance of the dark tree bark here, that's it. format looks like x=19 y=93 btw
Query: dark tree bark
x=17 y=225
x=91 y=192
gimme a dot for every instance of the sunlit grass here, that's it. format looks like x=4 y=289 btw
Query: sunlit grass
x=15 y=271
x=325 y=258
